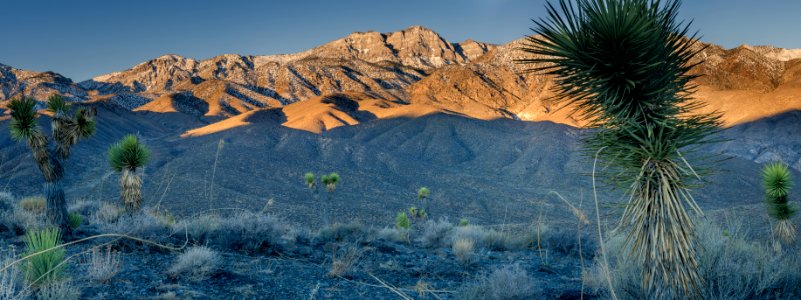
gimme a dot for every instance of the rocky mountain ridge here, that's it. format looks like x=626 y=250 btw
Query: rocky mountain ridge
x=413 y=66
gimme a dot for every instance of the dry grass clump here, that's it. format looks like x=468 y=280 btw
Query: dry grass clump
x=61 y=290
x=510 y=282
x=343 y=263
x=196 y=263
x=465 y=251
x=731 y=267
x=12 y=281
x=107 y=213
x=34 y=204
x=104 y=264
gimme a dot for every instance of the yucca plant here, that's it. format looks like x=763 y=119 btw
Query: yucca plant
x=68 y=127
x=311 y=183
x=777 y=181
x=624 y=66
x=422 y=195
x=330 y=183
x=126 y=156
x=46 y=264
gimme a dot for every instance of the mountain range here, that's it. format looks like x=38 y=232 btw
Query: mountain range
x=391 y=112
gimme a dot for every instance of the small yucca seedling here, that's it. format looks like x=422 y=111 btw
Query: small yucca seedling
x=777 y=181
x=402 y=221
x=126 y=156
x=74 y=220
x=49 y=265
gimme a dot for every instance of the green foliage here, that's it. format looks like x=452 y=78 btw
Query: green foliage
x=56 y=104
x=625 y=67
x=310 y=181
x=49 y=265
x=23 y=118
x=777 y=182
x=86 y=125
x=417 y=212
x=330 y=181
x=464 y=222
x=776 y=179
x=402 y=221
x=74 y=220
x=128 y=153
x=423 y=193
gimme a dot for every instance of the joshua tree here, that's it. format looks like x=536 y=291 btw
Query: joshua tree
x=776 y=178
x=624 y=66
x=68 y=127
x=126 y=156
x=311 y=183
x=330 y=182
x=422 y=212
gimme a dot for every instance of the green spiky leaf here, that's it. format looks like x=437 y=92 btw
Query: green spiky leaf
x=310 y=180
x=56 y=103
x=333 y=178
x=423 y=193
x=85 y=124
x=47 y=263
x=776 y=179
x=23 y=118
x=128 y=153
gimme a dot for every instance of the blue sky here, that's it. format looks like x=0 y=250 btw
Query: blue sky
x=83 y=39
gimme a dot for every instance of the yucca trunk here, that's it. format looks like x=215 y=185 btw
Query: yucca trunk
x=131 y=186
x=326 y=210
x=65 y=133
x=785 y=230
x=50 y=166
x=662 y=231
x=56 y=208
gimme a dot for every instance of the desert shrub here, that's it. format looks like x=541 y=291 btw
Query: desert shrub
x=107 y=213
x=565 y=240
x=74 y=220
x=343 y=232
x=61 y=290
x=507 y=283
x=17 y=221
x=34 y=204
x=196 y=263
x=465 y=251
x=84 y=207
x=435 y=233
x=48 y=264
x=464 y=222
x=482 y=237
x=198 y=228
x=6 y=200
x=392 y=234
x=245 y=231
x=104 y=264
x=145 y=225
x=12 y=284
x=731 y=267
